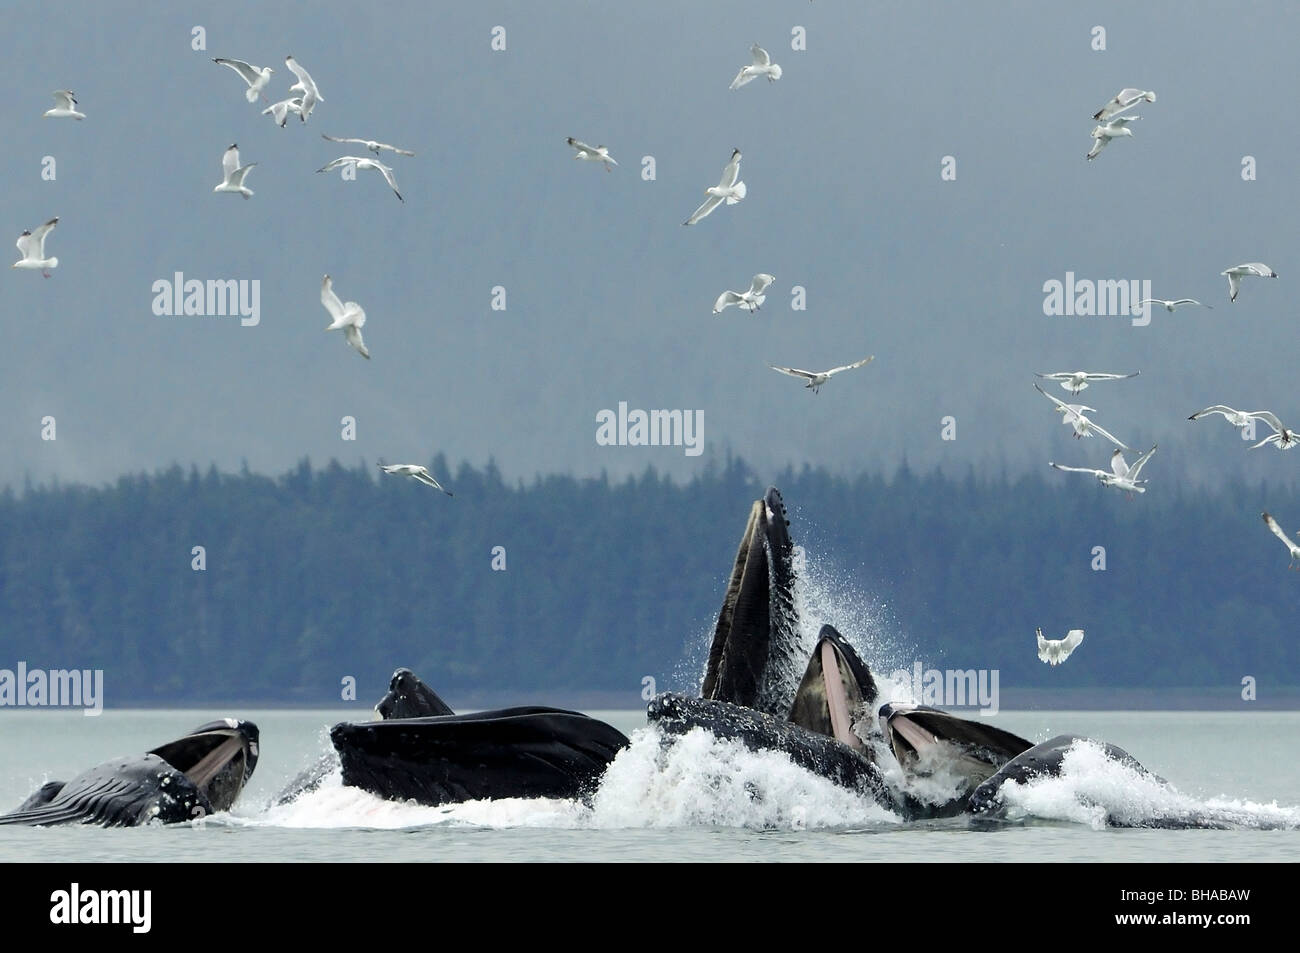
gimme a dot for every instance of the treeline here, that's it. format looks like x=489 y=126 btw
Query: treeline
x=324 y=573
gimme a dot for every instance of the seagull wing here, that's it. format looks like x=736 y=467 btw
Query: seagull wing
x=237 y=177
x=848 y=367
x=759 y=284
x=37 y=237
x=250 y=74
x=743 y=77
x=353 y=333
x=726 y=300
x=63 y=99
x=1268 y=417
x=703 y=211
x=731 y=172
x=794 y=372
x=330 y=300
x=230 y=161
x=760 y=55
x=1109 y=377
x=336 y=139
x=1061 y=466
x=1093 y=425
x=1259 y=269
x=1062 y=405
x=335 y=163
x=1277 y=531
x=1072 y=640
x=1214 y=409
x=1177 y=301
x=580 y=145
x=1140 y=462
x=388 y=177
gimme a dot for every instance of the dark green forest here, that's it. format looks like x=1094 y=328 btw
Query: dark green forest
x=326 y=572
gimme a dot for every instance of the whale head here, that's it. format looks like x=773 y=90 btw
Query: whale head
x=408 y=697
x=836 y=689
x=218 y=758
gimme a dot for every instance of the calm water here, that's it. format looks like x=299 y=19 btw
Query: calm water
x=698 y=800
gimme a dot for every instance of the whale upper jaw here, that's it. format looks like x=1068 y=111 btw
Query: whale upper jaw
x=836 y=690
x=754 y=653
x=217 y=757
x=409 y=697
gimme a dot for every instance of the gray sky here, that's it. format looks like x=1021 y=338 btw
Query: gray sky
x=609 y=297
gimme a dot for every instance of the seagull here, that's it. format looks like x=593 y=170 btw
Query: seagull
x=762 y=66
x=348 y=316
x=305 y=85
x=1073 y=415
x=415 y=473
x=816 y=379
x=1056 y=651
x=371 y=144
x=1121 y=475
x=752 y=299
x=729 y=189
x=358 y=162
x=65 y=106
x=1176 y=303
x=1283 y=438
x=1254 y=269
x=590 y=154
x=1124 y=100
x=32 y=246
x=1290 y=543
x=1075 y=381
x=1238 y=418
x=233 y=173
x=1111 y=130
x=280 y=111
x=255 y=76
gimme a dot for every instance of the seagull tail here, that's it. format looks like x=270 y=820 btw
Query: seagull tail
x=53 y=263
x=741 y=191
x=776 y=71
x=251 y=94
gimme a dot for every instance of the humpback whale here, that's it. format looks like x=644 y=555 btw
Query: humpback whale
x=200 y=773
x=927 y=741
x=423 y=751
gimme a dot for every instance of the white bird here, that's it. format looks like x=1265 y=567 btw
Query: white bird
x=280 y=111
x=1176 y=303
x=1121 y=475
x=1282 y=437
x=347 y=316
x=1238 y=418
x=360 y=162
x=1056 y=651
x=592 y=153
x=255 y=76
x=1102 y=135
x=1291 y=545
x=1254 y=269
x=762 y=66
x=233 y=173
x=371 y=144
x=752 y=299
x=420 y=474
x=1124 y=100
x=1075 y=381
x=305 y=85
x=815 y=379
x=730 y=189
x=31 y=244
x=1074 y=416
x=65 y=106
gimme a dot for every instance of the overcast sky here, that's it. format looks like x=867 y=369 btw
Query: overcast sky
x=608 y=296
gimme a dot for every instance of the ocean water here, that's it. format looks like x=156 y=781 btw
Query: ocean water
x=694 y=799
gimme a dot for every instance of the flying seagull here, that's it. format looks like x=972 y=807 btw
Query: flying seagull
x=371 y=144
x=348 y=316
x=752 y=299
x=65 y=106
x=255 y=76
x=280 y=111
x=1124 y=100
x=1290 y=544
x=816 y=379
x=592 y=153
x=359 y=162
x=419 y=474
x=1176 y=303
x=762 y=66
x=32 y=246
x=1102 y=135
x=730 y=189
x=1238 y=418
x=305 y=85
x=1121 y=475
x=1282 y=437
x=1253 y=269
x=1075 y=381
x=1073 y=415
x=233 y=174
x=1056 y=651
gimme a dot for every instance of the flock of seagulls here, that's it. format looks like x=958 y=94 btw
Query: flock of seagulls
x=1113 y=125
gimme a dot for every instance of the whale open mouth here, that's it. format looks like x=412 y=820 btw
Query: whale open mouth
x=925 y=739
x=218 y=758
x=836 y=688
